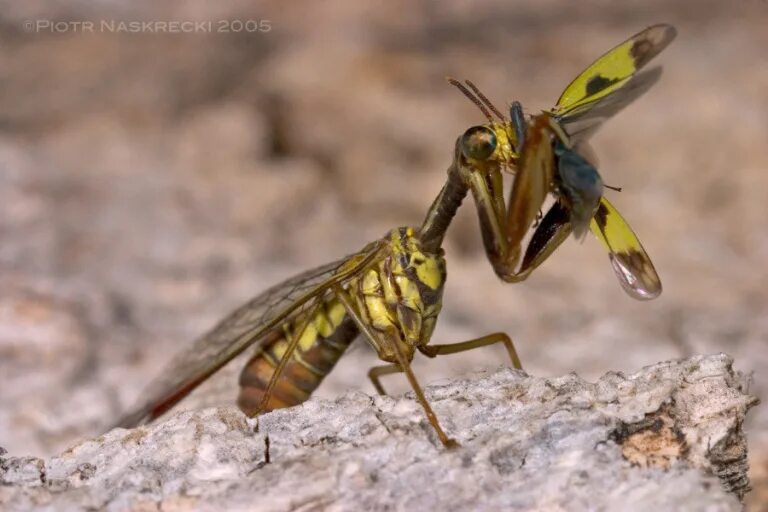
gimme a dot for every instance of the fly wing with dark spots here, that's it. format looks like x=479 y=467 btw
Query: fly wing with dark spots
x=245 y=327
x=631 y=264
x=613 y=72
x=583 y=122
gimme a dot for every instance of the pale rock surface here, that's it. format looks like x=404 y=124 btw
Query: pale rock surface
x=668 y=437
x=167 y=179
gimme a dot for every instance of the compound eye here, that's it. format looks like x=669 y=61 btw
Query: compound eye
x=478 y=143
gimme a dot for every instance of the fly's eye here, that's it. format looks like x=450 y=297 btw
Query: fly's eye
x=478 y=143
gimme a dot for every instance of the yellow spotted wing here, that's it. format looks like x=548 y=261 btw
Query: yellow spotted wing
x=613 y=70
x=604 y=88
x=631 y=263
x=611 y=82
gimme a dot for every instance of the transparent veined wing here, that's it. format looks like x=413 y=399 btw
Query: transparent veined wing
x=630 y=262
x=246 y=326
x=613 y=70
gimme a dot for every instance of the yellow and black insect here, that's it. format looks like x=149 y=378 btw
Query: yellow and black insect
x=391 y=291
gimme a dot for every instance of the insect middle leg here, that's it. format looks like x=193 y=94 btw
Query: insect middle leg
x=449 y=348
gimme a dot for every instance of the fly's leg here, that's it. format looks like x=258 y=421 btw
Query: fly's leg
x=484 y=341
x=517 y=117
x=449 y=348
x=402 y=362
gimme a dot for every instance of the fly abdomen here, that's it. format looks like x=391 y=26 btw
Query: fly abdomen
x=326 y=337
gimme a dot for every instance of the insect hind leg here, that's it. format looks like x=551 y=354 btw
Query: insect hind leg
x=375 y=373
x=483 y=341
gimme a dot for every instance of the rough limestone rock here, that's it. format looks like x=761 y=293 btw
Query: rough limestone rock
x=666 y=438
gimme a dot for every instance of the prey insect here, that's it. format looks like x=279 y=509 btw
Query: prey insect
x=551 y=161
x=391 y=290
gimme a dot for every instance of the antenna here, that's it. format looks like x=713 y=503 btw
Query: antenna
x=485 y=100
x=479 y=104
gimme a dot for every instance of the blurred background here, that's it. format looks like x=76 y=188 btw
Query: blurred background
x=151 y=182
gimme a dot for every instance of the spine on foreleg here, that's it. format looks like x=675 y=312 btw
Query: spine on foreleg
x=327 y=336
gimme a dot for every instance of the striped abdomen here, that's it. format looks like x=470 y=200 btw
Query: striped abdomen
x=324 y=341
x=398 y=298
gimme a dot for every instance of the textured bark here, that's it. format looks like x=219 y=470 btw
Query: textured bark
x=668 y=437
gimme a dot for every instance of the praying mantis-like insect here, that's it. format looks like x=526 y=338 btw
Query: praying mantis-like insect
x=390 y=292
